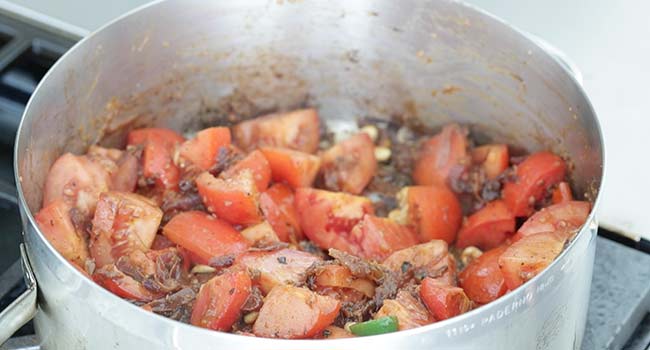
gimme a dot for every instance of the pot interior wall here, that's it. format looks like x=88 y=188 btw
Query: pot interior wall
x=420 y=62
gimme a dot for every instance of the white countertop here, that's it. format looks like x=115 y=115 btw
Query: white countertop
x=608 y=40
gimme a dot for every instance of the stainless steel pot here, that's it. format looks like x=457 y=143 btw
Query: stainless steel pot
x=187 y=64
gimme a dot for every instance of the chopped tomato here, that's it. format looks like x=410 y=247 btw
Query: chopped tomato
x=54 y=221
x=340 y=277
x=449 y=270
x=297 y=169
x=562 y=193
x=433 y=211
x=349 y=165
x=527 y=257
x=234 y=199
x=409 y=311
x=122 y=167
x=494 y=159
x=277 y=204
x=292 y=313
x=482 y=280
x=126 y=177
x=564 y=217
x=377 y=237
x=123 y=222
x=284 y=266
x=431 y=259
x=219 y=301
x=260 y=234
x=440 y=155
x=328 y=217
x=202 y=150
x=258 y=166
x=535 y=176
x=143 y=135
x=298 y=130
x=488 y=227
x=123 y=285
x=77 y=181
x=159 y=146
x=205 y=236
x=444 y=301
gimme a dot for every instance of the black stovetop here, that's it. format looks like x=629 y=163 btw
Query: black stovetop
x=620 y=294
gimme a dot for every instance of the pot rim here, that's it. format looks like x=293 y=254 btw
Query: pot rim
x=298 y=343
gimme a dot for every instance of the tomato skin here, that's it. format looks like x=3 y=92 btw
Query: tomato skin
x=157 y=156
x=123 y=222
x=118 y=283
x=121 y=166
x=450 y=268
x=298 y=130
x=284 y=266
x=235 y=199
x=126 y=176
x=482 y=280
x=297 y=169
x=444 y=301
x=527 y=257
x=277 y=204
x=562 y=193
x=564 y=218
x=205 y=236
x=328 y=217
x=77 y=181
x=431 y=257
x=295 y=313
x=258 y=166
x=440 y=155
x=377 y=237
x=434 y=212
x=487 y=228
x=202 y=150
x=535 y=175
x=494 y=159
x=54 y=221
x=349 y=165
x=219 y=301
x=409 y=311
x=338 y=276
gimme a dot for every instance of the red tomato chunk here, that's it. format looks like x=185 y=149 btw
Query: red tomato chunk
x=349 y=165
x=205 y=236
x=219 y=302
x=488 y=227
x=534 y=176
x=293 y=313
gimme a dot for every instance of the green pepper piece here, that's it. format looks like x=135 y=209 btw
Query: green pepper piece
x=382 y=325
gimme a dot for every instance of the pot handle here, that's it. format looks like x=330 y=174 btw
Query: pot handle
x=21 y=310
x=559 y=56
